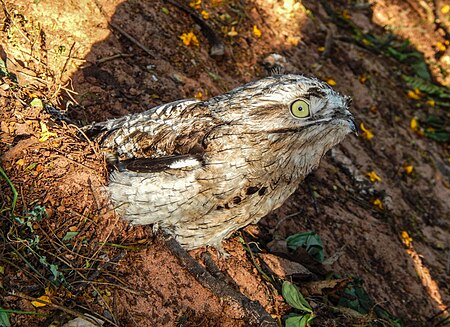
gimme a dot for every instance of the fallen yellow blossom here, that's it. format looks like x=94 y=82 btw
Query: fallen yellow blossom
x=406 y=239
x=373 y=176
x=321 y=49
x=414 y=124
x=43 y=298
x=189 y=39
x=440 y=46
x=331 y=82
x=293 y=40
x=256 y=31
x=431 y=102
x=233 y=32
x=408 y=168
x=199 y=95
x=366 y=134
x=445 y=9
x=45 y=134
x=196 y=4
x=362 y=78
x=414 y=94
x=345 y=14
x=378 y=203
x=204 y=14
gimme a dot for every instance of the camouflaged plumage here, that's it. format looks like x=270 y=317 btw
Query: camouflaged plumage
x=203 y=169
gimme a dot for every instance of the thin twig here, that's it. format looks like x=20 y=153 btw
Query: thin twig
x=13 y=189
x=122 y=31
x=59 y=307
x=67 y=60
x=119 y=55
x=216 y=43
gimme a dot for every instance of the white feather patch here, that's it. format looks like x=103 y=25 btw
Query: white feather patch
x=185 y=163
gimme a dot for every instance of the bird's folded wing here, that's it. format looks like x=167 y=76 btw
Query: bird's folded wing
x=155 y=165
x=177 y=128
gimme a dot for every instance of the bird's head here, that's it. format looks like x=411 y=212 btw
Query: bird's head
x=300 y=116
x=286 y=103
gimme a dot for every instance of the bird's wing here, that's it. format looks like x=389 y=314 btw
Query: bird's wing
x=164 y=136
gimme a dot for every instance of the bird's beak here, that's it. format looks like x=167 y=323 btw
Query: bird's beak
x=352 y=124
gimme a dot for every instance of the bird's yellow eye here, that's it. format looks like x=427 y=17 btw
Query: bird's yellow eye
x=300 y=109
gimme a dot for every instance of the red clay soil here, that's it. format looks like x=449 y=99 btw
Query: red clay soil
x=77 y=55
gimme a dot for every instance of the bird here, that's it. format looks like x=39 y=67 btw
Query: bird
x=201 y=170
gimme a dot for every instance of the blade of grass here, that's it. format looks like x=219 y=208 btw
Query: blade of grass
x=13 y=189
x=24 y=312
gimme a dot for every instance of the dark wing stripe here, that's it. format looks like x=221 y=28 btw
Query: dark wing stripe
x=155 y=165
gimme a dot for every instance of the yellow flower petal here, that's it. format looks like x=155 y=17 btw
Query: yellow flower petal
x=362 y=78
x=345 y=14
x=189 y=39
x=199 y=95
x=378 y=203
x=232 y=32
x=256 y=31
x=38 y=304
x=196 y=4
x=293 y=40
x=321 y=49
x=414 y=124
x=331 y=82
x=431 y=102
x=373 y=176
x=45 y=134
x=406 y=239
x=445 y=9
x=366 y=134
x=413 y=95
x=440 y=46
x=205 y=14
x=408 y=169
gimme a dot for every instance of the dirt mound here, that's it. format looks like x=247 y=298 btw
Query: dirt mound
x=379 y=201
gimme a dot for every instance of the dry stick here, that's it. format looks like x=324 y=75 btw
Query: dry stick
x=59 y=307
x=85 y=278
x=67 y=61
x=94 y=194
x=88 y=140
x=254 y=311
x=217 y=46
x=119 y=55
x=121 y=31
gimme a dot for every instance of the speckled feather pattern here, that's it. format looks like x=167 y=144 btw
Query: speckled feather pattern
x=203 y=169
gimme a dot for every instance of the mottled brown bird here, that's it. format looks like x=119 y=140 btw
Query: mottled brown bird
x=203 y=169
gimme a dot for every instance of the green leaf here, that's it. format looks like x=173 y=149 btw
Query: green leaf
x=294 y=298
x=69 y=236
x=165 y=10
x=310 y=241
x=3 y=69
x=439 y=136
x=427 y=87
x=294 y=321
x=4 y=318
x=299 y=321
x=356 y=297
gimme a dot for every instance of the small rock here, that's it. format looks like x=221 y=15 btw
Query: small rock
x=283 y=267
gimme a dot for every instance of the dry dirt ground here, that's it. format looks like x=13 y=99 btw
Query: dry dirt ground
x=62 y=243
